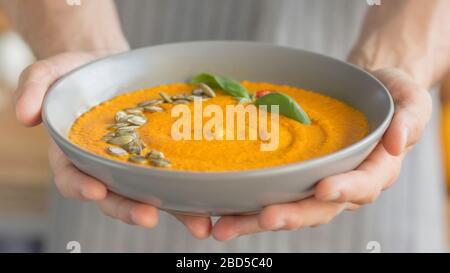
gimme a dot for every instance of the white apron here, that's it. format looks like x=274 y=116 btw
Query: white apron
x=408 y=217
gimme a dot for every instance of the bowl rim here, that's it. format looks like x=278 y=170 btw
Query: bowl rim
x=370 y=139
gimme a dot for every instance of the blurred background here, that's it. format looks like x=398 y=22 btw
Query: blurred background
x=25 y=178
x=24 y=171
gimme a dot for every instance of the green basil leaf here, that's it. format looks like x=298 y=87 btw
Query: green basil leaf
x=287 y=106
x=206 y=79
x=231 y=87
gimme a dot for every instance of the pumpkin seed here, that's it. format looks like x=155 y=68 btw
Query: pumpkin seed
x=181 y=102
x=199 y=98
x=128 y=128
x=142 y=144
x=119 y=125
x=161 y=162
x=165 y=97
x=179 y=97
x=121 y=116
x=207 y=90
x=119 y=132
x=155 y=155
x=138 y=159
x=122 y=132
x=133 y=147
x=110 y=134
x=150 y=102
x=121 y=140
x=153 y=109
x=107 y=138
x=135 y=111
x=190 y=98
x=137 y=120
x=197 y=92
x=117 y=151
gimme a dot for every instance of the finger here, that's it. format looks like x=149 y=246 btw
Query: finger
x=72 y=183
x=199 y=226
x=37 y=79
x=352 y=206
x=230 y=227
x=129 y=211
x=363 y=185
x=413 y=110
x=306 y=213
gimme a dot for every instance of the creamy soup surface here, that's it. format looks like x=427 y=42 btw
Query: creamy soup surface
x=335 y=125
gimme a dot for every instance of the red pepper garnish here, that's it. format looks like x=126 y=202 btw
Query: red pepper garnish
x=262 y=93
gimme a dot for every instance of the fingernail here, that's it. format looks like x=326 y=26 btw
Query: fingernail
x=333 y=197
x=146 y=221
x=140 y=216
x=281 y=223
x=405 y=138
x=141 y=221
x=86 y=194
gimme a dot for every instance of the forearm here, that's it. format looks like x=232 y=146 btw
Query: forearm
x=53 y=26
x=411 y=35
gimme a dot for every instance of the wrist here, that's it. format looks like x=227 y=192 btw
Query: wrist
x=407 y=35
x=51 y=27
x=373 y=58
x=104 y=45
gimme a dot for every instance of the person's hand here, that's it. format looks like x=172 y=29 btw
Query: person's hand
x=355 y=188
x=72 y=183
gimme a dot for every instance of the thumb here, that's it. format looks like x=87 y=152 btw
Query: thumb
x=413 y=110
x=35 y=81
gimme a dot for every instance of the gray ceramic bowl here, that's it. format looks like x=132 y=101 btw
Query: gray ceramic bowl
x=218 y=193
